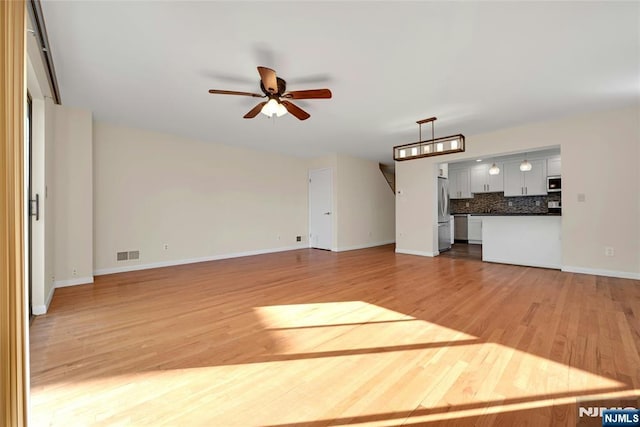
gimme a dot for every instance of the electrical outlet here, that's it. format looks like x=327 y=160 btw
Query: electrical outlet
x=74 y=272
x=165 y=246
x=608 y=251
x=510 y=203
x=467 y=204
x=582 y=197
x=537 y=202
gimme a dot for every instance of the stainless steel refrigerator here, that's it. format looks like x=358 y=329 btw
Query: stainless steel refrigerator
x=444 y=226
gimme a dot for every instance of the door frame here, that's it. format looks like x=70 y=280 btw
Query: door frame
x=30 y=195
x=332 y=245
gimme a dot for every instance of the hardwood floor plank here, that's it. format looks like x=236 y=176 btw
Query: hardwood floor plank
x=315 y=338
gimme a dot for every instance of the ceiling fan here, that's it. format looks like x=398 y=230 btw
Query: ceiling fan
x=275 y=89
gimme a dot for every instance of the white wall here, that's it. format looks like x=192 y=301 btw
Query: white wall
x=600 y=156
x=72 y=192
x=416 y=208
x=366 y=205
x=205 y=201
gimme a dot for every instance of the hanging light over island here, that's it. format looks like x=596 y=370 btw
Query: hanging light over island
x=431 y=147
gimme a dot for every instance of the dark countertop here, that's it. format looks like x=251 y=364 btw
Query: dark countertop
x=511 y=214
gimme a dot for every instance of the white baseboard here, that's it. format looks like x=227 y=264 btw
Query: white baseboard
x=74 y=282
x=42 y=309
x=366 y=245
x=127 y=268
x=599 y=272
x=419 y=253
x=528 y=264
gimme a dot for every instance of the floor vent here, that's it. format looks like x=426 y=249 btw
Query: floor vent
x=123 y=256
x=134 y=254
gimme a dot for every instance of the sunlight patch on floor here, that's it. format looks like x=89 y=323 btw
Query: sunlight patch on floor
x=372 y=389
x=351 y=326
x=324 y=314
x=341 y=363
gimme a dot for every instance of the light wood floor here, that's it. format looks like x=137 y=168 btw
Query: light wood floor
x=316 y=338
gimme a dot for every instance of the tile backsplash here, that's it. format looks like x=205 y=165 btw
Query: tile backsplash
x=497 y=203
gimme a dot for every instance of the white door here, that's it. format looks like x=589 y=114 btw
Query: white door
x=321 y=209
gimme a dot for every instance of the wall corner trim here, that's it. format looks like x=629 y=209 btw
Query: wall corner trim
x=42 y=309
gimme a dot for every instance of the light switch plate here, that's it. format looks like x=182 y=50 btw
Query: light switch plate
x=582 y=197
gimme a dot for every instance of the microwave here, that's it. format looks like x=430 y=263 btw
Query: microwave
x=554 y=184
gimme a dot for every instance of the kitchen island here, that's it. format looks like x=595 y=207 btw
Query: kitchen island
x=531 y=240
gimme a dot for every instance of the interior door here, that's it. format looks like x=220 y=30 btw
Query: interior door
x=321 y=209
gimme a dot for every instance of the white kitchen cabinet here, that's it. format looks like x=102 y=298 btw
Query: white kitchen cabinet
x=483 y=182
x=530 y=183
x=474 y=229
x=554 y=166
x=459 y=184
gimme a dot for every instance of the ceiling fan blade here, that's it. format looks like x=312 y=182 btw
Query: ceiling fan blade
x=308 y=94
x=233 y=92
x=295 y=110
x=269 y=79
x=254 y=111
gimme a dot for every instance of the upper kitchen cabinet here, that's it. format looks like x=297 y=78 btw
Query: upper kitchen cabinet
x=459 y=184
x=530 y=183
x=483 y=182
x=553 y=166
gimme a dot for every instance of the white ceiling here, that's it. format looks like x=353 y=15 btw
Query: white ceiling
x=477 y=66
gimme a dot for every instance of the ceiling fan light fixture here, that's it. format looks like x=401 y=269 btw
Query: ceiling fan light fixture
x=281 y=110
x=270 y=108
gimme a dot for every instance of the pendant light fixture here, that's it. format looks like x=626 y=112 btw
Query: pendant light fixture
x=525 y=166
x=431 y=147
x=494 y=169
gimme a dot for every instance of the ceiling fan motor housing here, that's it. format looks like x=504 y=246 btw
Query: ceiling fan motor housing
x=282 y=87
